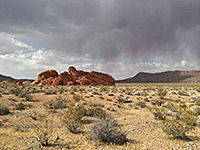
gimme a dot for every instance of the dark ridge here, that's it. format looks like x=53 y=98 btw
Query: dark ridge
x=165 y=77
x=3 y=78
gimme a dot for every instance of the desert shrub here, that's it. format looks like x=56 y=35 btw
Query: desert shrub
x=111 y=94
x=159 y=113
x=142 y=104
x=122 y=100
x=198 y=103
x=61 y=90
x=43 y=129
x=178 y=125
x=107 y=131
x=20 y=106
x=73 y=115
x=4 y=110
x=0 y=95
x=59 y=103
x=50 y=92
x=77 y=97
x=161 y=93
x=27 y=97
x=159 y=102
x=74 y=89
x=96 y=112
x=176 y=120
x=81 y=89
x=15 y=91
x=104 y=88
x=183 y=93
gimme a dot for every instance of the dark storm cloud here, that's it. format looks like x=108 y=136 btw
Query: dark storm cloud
x=107 y=29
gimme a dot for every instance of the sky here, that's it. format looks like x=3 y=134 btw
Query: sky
x=118 y=37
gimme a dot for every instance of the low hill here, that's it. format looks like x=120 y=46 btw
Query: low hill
x=3 y=78
x=165 y=77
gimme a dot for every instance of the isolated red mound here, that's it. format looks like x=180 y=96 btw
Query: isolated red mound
x=74 y=77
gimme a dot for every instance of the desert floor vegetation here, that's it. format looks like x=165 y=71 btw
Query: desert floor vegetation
x=125 y=116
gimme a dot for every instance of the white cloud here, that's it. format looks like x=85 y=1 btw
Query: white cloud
x=21 y=60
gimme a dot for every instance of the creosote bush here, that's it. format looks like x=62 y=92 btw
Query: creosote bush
x=73 y=115
x=95 y=112
x=76 y=110
x=162 y=93
x=77 y=97
x=178 y=125
x=43 y=129
x=15 y=91
x=107 y=131
x=159 y=113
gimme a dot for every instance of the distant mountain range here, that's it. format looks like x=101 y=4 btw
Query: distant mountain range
x=165 y=77
x=144 y=77
x=3 y=78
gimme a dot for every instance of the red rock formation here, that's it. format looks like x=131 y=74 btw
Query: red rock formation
x=74 y=77
x=17 y=83
x=6 y=82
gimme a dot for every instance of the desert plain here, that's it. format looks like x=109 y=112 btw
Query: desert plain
x=45 y=117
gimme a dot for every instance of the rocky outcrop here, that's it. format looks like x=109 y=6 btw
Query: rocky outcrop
x=17 y=83
x=6 y=82
x=74 y=77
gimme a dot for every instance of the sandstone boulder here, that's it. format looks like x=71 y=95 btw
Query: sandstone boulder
x=74 y=77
